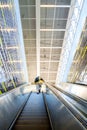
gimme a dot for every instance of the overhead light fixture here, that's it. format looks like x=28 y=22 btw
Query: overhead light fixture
x=58 y=47
x=8 y=29
x=17 y=72
x=50 y=61
x=15 y=61
x=52 y=29
x=52 y=6
x=48 y=72
x=12 y=47
x=5 y=5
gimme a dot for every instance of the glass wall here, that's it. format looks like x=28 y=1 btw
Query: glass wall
x=78 y=71
x=11 y=69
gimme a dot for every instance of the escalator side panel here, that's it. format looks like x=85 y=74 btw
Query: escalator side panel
x=9 y=107
x=61 y=117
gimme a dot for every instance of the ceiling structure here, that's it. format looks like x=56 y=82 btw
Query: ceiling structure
x=53 y=20
x=28 y=18
x=44 y=26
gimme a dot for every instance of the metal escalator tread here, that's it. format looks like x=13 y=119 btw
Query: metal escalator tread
x=34 y=115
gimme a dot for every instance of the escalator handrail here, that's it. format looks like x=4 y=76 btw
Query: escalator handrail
x=73 y=111
x=48 y=113
x=77 y=98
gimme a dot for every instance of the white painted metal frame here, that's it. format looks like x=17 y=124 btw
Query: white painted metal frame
x=38 y=35
x=69 y=37
x=51 y=41
x=55 y=6
x=17 y=12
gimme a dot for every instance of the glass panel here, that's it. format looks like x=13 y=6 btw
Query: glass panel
x=58 y=35
x=30 y=50
x=27 y=12
x=53 y=66
x=29 y=24
x=56 y=51
x=52 y=76
x=62 y=12
x=44 y=51
x=29 y=34
x=45 y=35
x=30 y=43
x=63 y=2
x=60 y=24
x=55 y=57
x=27 y=2
x=44 y=66
x=44 y=57
x=46 y=24
x=49 y=2
x=45 y=43
x=47 y=13
x=57 y=43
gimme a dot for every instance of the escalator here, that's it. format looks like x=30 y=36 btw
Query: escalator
x=34 y=115
x=44 y=111
x=22 y=109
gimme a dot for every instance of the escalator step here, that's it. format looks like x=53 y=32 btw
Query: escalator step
x=33 y=118
x=32 y=127
x=32 y=121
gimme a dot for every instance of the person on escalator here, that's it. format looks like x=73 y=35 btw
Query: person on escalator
x=38 y=81
x=38 y=86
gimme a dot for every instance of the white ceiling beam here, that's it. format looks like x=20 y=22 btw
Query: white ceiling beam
x=27 y=29
x=52 y=6
x=50 y=39
x=12 y=47
x=57 y=47
x=14 y=61
x=52 y=29
x=38 y=35
x=52 y=18
x=44 y=18
x=49 y=72
x=51 y=61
